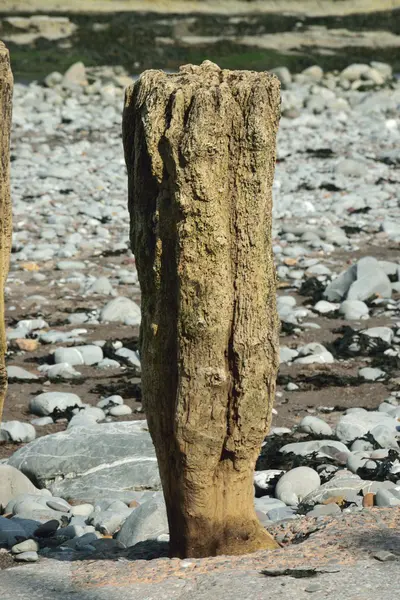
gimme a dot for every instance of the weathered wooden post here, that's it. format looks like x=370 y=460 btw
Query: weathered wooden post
x=6 y=89
x=200 y=152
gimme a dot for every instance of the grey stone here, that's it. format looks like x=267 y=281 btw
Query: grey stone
x=384 y=435
x=384 y=333
x=329 y=448
x=266 y=503
x=101 y=286
x=36 y=500
x=314 y=73
x=371 y=281
x=356 y=460
x=110 y=401
x=356 y=424
x=354 y=72
x=16 y=431
x=292 y=387
x=58 y=504
x=27 y=557
x=12 y=531
x=283 y=74
x=109 y=521
x=295 y=484
x=383 y=68
x=337 y=290
x=19 y=373
x=119 y=310
x=346 y=485
x=361 y=446
x=78 y=318
x=79 y=355
x=70 y=265
x=371 y=374
x=323 y=307
x=44 y=404
x=113 y=459
x=83 y=510
x=60 y=371
x=283 y=513
x=390 y=227
x=13 y=483
x=87 y=417
x=26 y=546
x=351 y=168
x=384 y=556
x=287 y=354
x=75 y=75
x=314 y=425
x=120 y=411
x=264 y=480
x=108 y=363
x=388 y=497
x=354 y=310
x=130 y=355
x=146 y=522
x=314 y=353
x=120 y=481
x=323 y=510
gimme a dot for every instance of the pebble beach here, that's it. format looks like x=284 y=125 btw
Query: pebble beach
x=78 y=472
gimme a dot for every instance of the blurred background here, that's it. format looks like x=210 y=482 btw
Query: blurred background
x=50 y=35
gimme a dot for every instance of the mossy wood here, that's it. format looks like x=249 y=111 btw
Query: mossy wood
x=200 y=152
x=6 y=90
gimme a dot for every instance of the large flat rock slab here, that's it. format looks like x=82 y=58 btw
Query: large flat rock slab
x=109 y=456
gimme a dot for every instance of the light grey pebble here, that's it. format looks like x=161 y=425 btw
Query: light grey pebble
x=120 y=309
x=19 y=373
x=297 y=483
x=314 y=425
x=384 y=556
x=26 y=546
x=16 y=431
x=45 y=403
x=120 y=411
x=371 y=374
x=27 y=557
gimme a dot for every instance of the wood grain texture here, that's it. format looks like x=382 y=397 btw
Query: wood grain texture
x=200 y=153
x=6 y=90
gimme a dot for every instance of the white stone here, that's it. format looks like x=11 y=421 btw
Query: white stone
x=353 y=310
x=44 y=404
x=297 y=483
x=119 y=310
x=314 y=425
